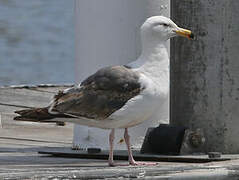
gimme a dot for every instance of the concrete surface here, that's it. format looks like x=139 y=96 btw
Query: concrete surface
x=21 y=141
x=204 y=72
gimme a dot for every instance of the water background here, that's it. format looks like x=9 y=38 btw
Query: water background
x=36 y=41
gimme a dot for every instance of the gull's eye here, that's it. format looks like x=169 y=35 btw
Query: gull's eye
x=161 y=24
x=165 y=25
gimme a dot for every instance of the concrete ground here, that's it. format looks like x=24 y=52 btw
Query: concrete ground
x=28 y=164
x=20 y=143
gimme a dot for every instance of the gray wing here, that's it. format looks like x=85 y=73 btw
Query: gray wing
x=99 y=95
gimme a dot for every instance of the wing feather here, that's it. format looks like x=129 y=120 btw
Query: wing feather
x=100 y=95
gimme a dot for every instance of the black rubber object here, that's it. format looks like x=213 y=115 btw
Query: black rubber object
x=166 y=139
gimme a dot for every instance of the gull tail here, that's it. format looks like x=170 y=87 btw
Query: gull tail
x=38 y=115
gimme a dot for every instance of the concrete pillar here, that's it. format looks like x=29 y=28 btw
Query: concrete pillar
x=107 y=33
x=205 y=72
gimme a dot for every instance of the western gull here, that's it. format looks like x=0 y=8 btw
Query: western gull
x=118 y=96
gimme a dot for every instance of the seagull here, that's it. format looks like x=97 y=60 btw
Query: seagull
x=120 y=96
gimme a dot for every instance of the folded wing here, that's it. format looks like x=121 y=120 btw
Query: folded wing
x=99 y=95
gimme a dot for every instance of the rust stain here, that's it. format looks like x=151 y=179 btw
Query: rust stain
x=121 y=141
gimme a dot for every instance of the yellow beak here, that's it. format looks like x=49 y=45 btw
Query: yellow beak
x=185 y=33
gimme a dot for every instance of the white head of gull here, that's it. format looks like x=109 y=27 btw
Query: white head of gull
x=118 y=96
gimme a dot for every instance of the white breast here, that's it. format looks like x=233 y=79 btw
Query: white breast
x=141 y=107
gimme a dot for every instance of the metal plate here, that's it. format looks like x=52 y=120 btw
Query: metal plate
x=123 y=155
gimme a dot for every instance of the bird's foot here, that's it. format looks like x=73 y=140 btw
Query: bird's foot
x=135 y=163
x=132 y=163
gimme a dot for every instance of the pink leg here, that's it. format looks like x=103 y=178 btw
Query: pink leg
x=131 y=158
x=111 y=142
x=111 y=156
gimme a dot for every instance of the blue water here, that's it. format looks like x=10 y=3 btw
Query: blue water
x=36 y=41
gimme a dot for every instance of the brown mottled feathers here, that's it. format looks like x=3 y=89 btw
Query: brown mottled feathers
x=98 y=97
x=37 y=115
x=100 y=94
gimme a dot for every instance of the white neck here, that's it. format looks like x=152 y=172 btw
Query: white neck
x=153 y=64
x=154 y=56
